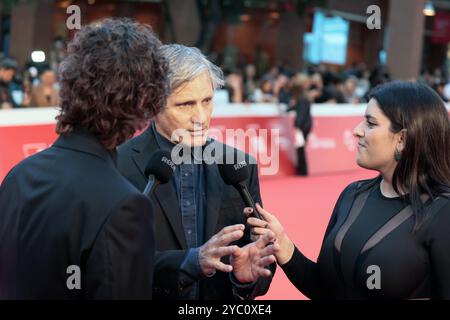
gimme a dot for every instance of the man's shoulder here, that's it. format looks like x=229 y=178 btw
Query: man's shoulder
x=82 y=176
x=136 y=144
x=29 y=162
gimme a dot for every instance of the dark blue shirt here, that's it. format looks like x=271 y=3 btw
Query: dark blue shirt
x=189 y=182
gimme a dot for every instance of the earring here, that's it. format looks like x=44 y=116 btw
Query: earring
x=397 y=155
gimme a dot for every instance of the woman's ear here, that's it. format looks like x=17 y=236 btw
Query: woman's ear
x=401 y=140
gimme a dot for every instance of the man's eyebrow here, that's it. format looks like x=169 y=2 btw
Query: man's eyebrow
x=182 y=102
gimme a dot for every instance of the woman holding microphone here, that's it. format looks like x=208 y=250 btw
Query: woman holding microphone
x=395 y=226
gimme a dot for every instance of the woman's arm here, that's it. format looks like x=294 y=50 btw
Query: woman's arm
x=301 y=271
x=439 y=248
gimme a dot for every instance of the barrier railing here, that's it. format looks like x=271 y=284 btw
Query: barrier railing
x=263 y=130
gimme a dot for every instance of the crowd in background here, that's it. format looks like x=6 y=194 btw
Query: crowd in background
x=36 y=86
x=320 y=84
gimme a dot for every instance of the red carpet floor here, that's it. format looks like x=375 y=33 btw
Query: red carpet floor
x=304 y=206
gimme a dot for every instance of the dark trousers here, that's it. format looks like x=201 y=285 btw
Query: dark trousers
x=302 y=165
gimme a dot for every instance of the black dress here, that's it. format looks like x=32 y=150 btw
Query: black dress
x=304 y=122
x=370 y=252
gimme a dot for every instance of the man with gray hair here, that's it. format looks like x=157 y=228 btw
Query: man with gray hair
x=203 y=250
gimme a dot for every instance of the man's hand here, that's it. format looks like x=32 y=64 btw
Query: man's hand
x=217 y=247
x=250 y=261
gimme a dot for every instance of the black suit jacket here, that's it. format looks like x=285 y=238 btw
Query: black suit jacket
x=68 y=205
x=224 y=207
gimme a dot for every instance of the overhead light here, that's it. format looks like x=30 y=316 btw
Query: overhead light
x=38 y=56
x=428 y=10
x=91 y=2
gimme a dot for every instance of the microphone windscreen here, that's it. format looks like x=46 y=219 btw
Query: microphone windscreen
x=161 y=166
x=233 y=172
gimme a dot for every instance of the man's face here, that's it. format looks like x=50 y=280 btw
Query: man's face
x=188 y=112
x=6 y=75
x=48 y=78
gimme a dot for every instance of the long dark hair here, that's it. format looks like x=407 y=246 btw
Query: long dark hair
x=424 y=167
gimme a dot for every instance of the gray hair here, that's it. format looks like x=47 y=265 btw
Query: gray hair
x=187 y=63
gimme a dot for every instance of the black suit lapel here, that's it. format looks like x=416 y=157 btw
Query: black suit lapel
x=165 y=194
x=143 y=145
x=140 y=160
x=214 y=187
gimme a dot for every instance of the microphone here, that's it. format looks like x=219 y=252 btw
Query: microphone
x=159 y=170
x=235 y=175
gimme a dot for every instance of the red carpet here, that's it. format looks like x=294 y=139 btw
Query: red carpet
x=304 y=206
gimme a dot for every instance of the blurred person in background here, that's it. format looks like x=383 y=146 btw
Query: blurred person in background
x=281 y=89
x=379 y=75
x=305 y=80
x=362 y=85
x=439 y=87
x=8 y=69
x=349 y=90
x=264 y=94
x=335 y=90
x=330 y=93
x=235 y=86
x=250 y=83
x=316 y=89
x=262 y=63
x=326 y=74
x=447 y=87
x=272 y=75
x=303 y=123
x=45 y=94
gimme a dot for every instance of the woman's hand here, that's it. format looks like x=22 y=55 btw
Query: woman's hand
x=270 y=222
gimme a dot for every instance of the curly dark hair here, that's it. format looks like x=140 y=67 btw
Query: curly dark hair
x=113 y=80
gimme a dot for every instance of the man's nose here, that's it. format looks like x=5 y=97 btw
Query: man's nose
x=199 y=116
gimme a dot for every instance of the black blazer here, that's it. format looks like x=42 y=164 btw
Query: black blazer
x=224 y=208
x=68 y=205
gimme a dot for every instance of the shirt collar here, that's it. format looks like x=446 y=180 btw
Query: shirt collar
x=162 y=141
